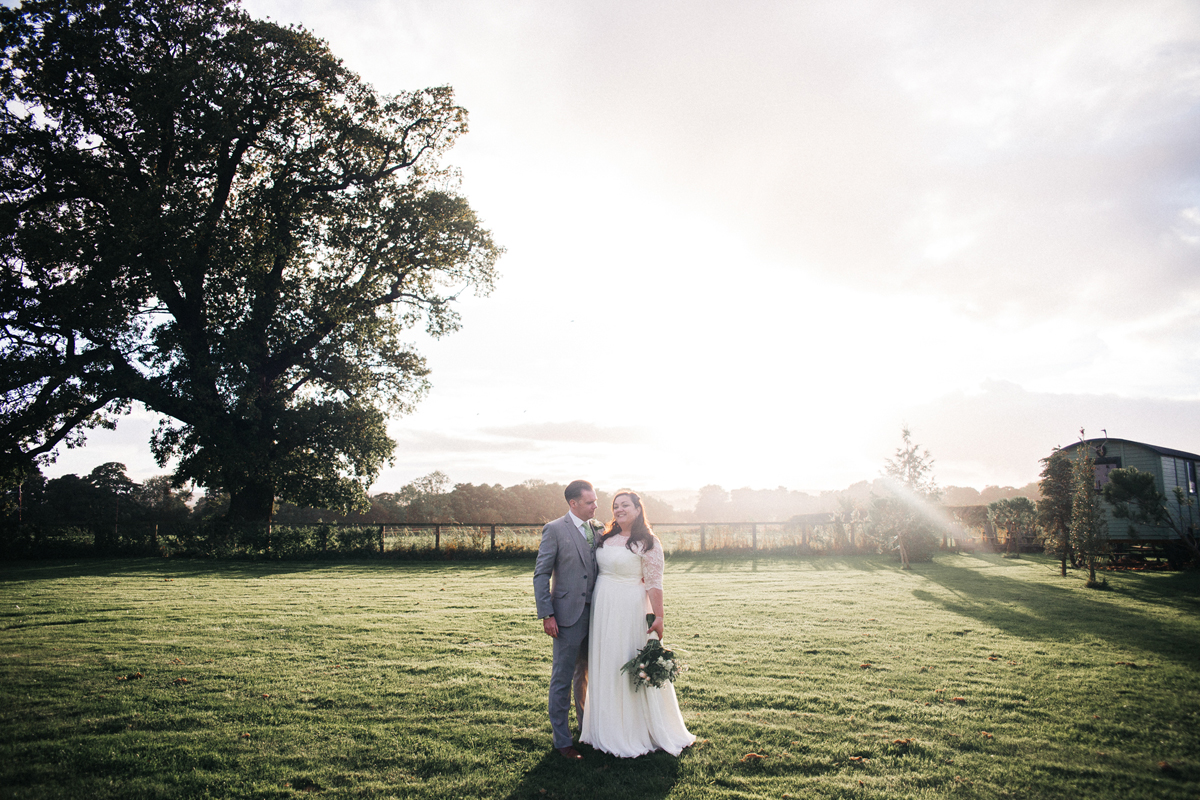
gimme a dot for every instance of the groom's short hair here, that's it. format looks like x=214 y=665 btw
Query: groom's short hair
x=576 y=488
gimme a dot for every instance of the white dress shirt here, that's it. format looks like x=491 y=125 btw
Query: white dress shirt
x=579 y=524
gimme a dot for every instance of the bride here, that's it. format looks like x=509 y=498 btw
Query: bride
x=617 y=719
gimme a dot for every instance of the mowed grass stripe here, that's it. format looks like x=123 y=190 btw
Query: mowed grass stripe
x=974 y=676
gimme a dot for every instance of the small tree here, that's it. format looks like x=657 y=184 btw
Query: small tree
x=1134 y=496
x=1054 y=509
x=1089 y=531
x=901 y=517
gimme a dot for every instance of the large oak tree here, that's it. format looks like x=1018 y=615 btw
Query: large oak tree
x=210 y=215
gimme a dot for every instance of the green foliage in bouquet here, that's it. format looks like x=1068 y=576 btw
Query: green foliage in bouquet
x=654 y=665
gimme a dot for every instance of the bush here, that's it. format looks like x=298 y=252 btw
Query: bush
x=921 y=546
x=357 y=540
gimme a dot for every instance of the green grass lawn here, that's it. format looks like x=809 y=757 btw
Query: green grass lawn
x=974 y=676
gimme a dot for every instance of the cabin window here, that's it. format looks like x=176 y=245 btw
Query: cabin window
x=1104 y=466
x=1191 y=477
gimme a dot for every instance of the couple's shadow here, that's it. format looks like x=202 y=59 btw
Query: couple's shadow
x=598 y=775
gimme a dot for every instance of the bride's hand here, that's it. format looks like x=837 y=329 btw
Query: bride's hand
x=657 y=626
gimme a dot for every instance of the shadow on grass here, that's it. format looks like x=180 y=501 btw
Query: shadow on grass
x=719 y=562
x=156 y=568
x=240 y=570
x=1179 y=589
x=599 y=775
x=858 y=563
x=1034 y=610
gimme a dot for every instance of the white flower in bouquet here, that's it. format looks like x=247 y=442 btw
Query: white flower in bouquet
x=654 y=665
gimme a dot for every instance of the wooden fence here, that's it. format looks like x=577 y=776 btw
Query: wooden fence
x=676 y=537
x=812 y=533
x=525 y=537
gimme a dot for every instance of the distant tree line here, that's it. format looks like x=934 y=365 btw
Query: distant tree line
x=103 y=512
x=107 y=513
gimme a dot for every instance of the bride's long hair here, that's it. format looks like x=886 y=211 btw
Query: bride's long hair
x=640 y=528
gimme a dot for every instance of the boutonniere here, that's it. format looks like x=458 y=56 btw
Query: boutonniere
x=597 y=527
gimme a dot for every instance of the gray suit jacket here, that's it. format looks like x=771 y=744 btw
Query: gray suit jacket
x=565 y=572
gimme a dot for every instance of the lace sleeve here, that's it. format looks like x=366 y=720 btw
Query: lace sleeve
x=652 y=566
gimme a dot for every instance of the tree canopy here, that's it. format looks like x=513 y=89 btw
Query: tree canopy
x=1089 y=529
x=1133 y=496
x=1056 y=505
x=1017 y=516
x=210 y=215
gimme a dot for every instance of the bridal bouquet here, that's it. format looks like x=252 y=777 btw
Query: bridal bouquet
x=654 y=664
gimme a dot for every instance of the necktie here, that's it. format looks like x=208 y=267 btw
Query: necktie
x=587 y=533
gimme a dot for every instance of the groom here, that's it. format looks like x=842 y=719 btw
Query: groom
x=562 y=586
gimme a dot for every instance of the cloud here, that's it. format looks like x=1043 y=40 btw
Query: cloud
x=578 y=432
x=421 y=441
x=1027 y=159
x=1037 y=159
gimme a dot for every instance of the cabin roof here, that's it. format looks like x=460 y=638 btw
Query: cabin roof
x=1165 y=451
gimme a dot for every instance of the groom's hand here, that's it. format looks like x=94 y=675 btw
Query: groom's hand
x=550 y=626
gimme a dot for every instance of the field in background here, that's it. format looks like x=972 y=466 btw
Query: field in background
x=974 y=676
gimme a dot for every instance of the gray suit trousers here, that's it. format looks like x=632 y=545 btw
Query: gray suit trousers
x=570 y=669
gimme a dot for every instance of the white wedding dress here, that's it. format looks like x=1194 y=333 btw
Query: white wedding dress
x=616 y=719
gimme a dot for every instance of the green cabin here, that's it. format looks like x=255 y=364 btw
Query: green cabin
x=1171 y=468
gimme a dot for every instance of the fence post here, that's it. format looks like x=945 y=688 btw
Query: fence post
x=437 y=537
x=493 y=538
x=380 y=540
x=754 y=536
x=701 y=538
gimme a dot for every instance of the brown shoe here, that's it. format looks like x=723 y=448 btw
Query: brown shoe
x=570 y=753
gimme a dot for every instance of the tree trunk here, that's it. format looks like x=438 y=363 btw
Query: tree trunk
x=253 y=502
x=1190 y=543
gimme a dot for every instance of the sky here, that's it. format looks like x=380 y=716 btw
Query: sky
x=746 y=243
